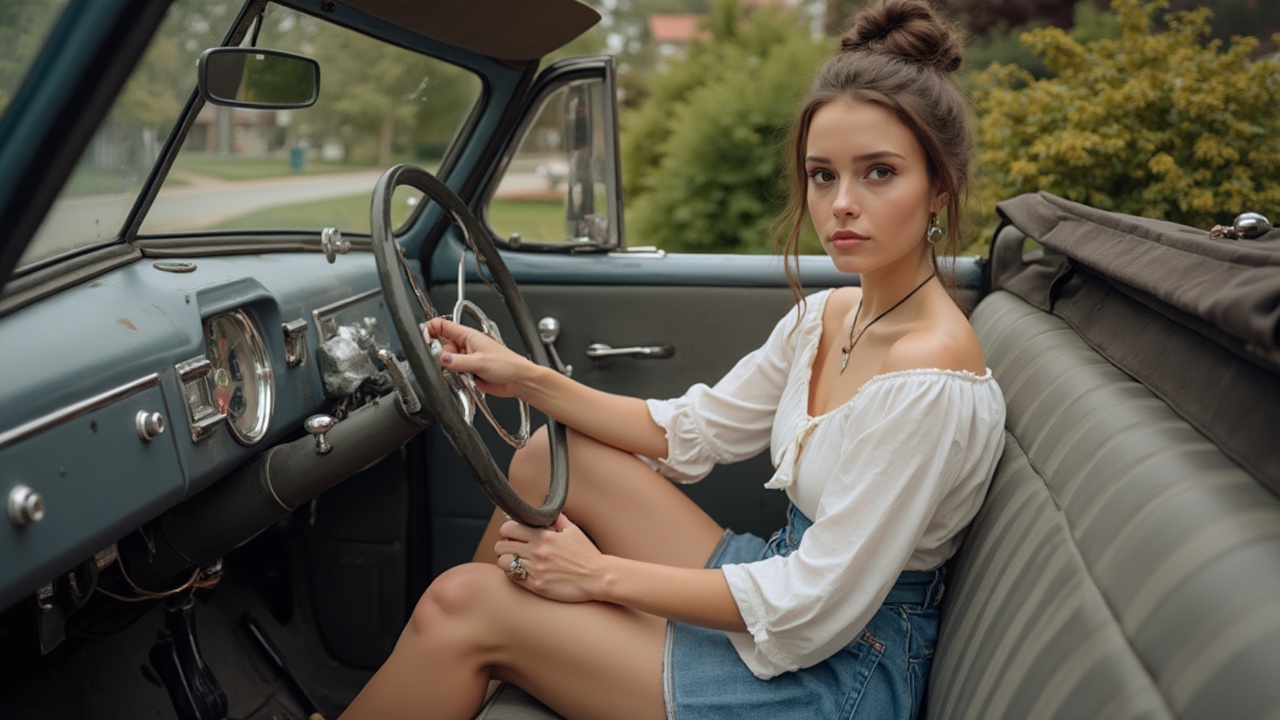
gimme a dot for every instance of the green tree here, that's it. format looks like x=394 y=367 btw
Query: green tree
x=1168 y=124
x=389 y=103
x=1003 y=45
x=702 y=156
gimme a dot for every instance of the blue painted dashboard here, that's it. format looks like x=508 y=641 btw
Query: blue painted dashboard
x=79 y=367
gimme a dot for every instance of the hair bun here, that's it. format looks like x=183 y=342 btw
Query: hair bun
x=905 y=29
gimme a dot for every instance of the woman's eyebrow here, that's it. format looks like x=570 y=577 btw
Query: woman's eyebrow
x=865 y=157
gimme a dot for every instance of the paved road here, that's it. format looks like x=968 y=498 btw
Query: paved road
x=206 y=201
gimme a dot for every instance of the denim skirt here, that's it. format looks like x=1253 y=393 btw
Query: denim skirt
x=880 y=675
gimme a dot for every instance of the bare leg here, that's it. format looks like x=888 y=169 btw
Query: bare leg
x=628 y=509
x=585 y=660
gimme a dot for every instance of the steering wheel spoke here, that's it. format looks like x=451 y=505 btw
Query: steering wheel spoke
x=452 y=398
x=478 y=399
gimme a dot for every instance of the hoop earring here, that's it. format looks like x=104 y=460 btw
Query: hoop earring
x=934 y=234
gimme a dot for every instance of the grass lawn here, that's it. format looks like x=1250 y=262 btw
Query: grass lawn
x=533 y=219
x=88 y=180
x=230 y=167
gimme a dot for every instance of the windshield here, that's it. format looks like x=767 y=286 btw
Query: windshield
x=253 y=169
x=95 y=202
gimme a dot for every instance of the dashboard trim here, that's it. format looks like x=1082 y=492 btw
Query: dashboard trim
x=75 y=410
x=320 y=314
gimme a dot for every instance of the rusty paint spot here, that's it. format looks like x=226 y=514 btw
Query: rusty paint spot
x=125 y=322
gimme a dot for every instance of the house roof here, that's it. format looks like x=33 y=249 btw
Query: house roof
x=676 y=28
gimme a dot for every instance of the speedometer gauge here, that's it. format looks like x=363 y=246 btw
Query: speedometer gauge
x=241 y=377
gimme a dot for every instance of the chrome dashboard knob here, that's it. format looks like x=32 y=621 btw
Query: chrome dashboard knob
x=26 y=506
x=318 y=425
x=150 y=425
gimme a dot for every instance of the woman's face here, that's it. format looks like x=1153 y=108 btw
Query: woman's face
x=869 y=193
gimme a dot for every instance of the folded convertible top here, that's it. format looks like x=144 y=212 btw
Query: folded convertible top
x=1232 y=284
x=1195 y=319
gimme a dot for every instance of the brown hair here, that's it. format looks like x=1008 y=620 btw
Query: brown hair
x=901 y=56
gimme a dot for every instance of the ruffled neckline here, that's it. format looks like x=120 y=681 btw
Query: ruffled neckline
x=812 y=335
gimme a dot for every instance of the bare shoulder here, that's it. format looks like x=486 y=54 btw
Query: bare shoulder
x=950 y=345
x=843 y=299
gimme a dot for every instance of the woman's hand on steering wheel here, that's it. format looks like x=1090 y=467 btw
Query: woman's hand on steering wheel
x=496 y=369
x=452 y=407
x=558 y=562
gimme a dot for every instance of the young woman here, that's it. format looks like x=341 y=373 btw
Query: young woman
x=882 y=420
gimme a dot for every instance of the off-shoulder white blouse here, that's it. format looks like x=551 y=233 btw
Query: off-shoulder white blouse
x=890 y=479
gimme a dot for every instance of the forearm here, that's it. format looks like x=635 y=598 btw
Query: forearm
x=618 y=420
x=695 y=596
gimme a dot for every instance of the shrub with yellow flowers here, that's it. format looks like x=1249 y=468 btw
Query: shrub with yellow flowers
x=1167 y=124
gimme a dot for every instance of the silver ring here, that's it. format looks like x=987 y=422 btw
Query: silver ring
x=516 y=570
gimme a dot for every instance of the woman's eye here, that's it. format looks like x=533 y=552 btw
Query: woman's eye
x=880 y=172
x=820 y=176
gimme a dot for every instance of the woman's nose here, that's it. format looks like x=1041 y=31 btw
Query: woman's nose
x=846 y=202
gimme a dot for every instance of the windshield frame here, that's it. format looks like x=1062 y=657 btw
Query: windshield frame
x=75 y=78
x=464 y=165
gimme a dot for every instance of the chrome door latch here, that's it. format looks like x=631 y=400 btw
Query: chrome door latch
x=549 y=331
x=600 y=350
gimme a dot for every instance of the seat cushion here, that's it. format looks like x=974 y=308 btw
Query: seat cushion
x=512 y=703
x=1122 y=566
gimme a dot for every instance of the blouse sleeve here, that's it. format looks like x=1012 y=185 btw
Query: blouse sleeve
x=911 y=441
x=732 y=420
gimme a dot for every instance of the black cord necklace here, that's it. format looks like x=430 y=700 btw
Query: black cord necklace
x=848 y=346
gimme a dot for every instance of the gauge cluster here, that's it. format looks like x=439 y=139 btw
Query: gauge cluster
x=232 y=383
x=240 y=378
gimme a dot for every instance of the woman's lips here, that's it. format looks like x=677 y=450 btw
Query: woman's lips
x=846 y=239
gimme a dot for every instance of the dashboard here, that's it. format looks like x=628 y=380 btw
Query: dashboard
x=124 y=396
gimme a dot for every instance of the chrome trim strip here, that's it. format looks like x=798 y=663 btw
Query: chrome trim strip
x=71 y=412
x=323 y=312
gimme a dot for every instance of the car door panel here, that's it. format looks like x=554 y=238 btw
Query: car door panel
x=709 y=326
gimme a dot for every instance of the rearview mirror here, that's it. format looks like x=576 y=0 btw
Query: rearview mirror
x=256 y=78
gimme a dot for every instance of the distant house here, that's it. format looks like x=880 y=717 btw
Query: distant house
x=254 y=133
x=671 y=34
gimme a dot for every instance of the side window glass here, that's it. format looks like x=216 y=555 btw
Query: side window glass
x=557 y=186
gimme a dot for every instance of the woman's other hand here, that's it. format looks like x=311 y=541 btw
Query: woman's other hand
x=495 y=367
x=560 y=562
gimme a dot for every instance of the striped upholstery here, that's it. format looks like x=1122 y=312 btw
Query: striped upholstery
x=1121 y=567
x=512 y=703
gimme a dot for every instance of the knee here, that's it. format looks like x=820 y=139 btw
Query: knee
x=455 y=600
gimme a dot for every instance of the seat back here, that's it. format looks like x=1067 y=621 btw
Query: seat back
x=1123 y=565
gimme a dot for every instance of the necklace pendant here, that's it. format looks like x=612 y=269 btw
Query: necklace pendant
x=844 y=362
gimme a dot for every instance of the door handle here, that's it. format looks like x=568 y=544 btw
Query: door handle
x=600 y=350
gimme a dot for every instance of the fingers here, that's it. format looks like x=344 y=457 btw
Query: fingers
x=513 y=566
x=446 y=329
x=513 y=530
x=454 y=343
x=516 y=539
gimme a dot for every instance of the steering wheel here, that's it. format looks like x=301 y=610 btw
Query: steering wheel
x=436 y=383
